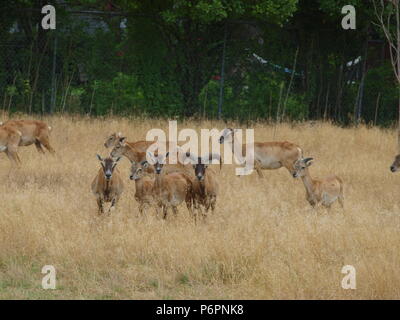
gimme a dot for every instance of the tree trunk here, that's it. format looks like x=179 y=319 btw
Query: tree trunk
x=398 y=125
x=339 y=93
x=398 y=68
x=376 y=108
x=192 y=78
x=326 y=102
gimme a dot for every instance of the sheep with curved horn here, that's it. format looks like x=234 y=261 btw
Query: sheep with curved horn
x=206 y=159
x=107 y=186
x=205 y=185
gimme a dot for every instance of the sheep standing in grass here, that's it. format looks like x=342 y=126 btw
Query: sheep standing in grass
x=319 y=191
x=108 y=185
x=205 y=184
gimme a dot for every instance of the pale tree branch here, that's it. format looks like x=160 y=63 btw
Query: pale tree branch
x=393 y=39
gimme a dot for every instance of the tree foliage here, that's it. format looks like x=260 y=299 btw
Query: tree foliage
x=282 y=58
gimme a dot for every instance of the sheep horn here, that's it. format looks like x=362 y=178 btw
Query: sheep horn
x=211 y=157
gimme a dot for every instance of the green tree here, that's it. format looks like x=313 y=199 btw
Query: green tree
x=193 y=32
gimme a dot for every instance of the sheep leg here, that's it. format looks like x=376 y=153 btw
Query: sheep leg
x=38 y=146
x=165 y=212
x=195 y=216
x=341 y=201
x=45 y=141
x=213 y=203
x=189 y=205
x=100 y=206
x=257 y=166
x=317 y=206
x=141 y=209
x=328 y=208
x=200 y=210
x=195 y=210
x=206 y=207
x=157 y=207
x=113 y=203
x=13 y=156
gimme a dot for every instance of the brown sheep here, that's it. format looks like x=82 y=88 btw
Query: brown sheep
x=33 y=132
x=107 y=186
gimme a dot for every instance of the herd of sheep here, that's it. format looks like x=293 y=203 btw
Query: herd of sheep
x=165 y=186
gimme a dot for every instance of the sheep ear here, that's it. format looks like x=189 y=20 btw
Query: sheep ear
x=191 y=157
x=119 y=158
x=99 y=157
x=145 y=164
x=308 y=161
x=150 y=157
x=122 y=139
x=214 y=156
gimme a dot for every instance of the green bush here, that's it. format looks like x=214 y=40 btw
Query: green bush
x=380 y=80
x=122 y=95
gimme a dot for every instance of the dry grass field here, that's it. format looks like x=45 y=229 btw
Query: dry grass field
x=263 y=242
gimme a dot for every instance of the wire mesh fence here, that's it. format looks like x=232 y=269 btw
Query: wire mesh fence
x=101 y=62
x=25 y=71
x=46 y=70
x=90 y=64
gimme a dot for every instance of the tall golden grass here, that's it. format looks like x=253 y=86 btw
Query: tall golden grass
x=263 y=242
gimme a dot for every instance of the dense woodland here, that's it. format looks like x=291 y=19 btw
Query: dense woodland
x=248 y=60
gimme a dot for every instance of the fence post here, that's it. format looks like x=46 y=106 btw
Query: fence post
x=363 y=74
x=53 y=77
x=221 y=84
